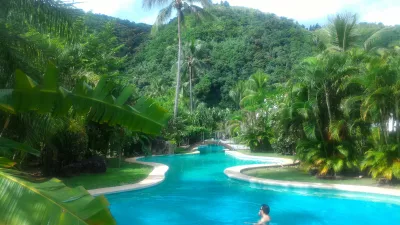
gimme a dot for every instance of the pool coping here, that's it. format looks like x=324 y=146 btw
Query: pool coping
x=236 y=173
x=156 y=176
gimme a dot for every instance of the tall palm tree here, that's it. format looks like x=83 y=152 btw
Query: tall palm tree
x=192 y=65
x=180 y=6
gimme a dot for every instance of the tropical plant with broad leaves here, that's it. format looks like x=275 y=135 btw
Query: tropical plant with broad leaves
x=325 y=141
x=181 y=8
x=26 y=202
x=97 y=103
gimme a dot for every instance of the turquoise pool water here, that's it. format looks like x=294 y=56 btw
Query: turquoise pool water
x=196 y=191
x=204 y=149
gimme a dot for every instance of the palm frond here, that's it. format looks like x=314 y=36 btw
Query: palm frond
x=149 y=4
x=342 y=30
x=163 y=16
x=381 y=38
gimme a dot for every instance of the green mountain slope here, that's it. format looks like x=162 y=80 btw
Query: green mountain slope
x=239 y=41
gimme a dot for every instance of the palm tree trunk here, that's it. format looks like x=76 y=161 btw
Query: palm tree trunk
x=178 y=73
x=190 y=84
x=328 y=103
x=383 y=127
x=396 y=119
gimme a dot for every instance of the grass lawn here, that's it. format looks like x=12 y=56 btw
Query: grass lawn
x=128 y=173
x=180 y=150
x=295 y=174
x=268 y=154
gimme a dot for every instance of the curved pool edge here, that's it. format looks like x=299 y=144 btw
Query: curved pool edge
x=236 y=173
x=156 y=176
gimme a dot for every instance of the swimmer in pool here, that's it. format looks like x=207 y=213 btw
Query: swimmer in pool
x=264 y=214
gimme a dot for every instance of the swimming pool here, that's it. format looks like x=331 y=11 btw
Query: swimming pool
x=196 y=191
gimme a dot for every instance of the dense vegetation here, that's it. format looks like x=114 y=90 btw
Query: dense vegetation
x=76 y=88
x=338 y=111
x=235 y=43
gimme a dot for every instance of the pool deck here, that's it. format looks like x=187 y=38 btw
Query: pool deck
x=236 y=173
x=156 y=176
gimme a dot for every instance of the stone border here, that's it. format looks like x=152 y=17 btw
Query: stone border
x=236 y=173
x=156 y=176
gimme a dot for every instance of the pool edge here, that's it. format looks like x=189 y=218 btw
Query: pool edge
x=235 y=172
x=155 y=177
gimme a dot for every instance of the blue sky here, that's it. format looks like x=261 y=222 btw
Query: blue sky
x=304 y=11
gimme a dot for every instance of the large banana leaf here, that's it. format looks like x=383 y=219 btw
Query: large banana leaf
x=7 y=144
x=50 y=202
x=98 y=103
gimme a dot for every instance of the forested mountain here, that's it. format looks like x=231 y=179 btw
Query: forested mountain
x=237 y=42
x=130 y=34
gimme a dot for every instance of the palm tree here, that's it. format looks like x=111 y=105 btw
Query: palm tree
x=257 y=90
x=342 y=33
x=180 y=6
x=237 y=92
x=192 y=65
x=342 y=30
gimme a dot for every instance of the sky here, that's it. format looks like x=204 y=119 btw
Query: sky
x=306 y=12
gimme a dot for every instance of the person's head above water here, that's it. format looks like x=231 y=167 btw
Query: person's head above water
x=265 y=209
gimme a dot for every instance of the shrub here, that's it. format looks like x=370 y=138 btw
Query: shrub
x=68 y=146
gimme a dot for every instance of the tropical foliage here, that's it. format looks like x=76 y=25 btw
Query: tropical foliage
x=338 y=112
x=77 y=87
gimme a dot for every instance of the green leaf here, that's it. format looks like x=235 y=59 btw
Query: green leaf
x=50 y=202
x=125 y=94
x=5 y=99
x=6 y=163
x=23 y=82
x=13 y=145
x=98 y=103
x=50 y=78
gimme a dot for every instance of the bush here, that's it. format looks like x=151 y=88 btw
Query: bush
x=68 y=146
x=95 y=164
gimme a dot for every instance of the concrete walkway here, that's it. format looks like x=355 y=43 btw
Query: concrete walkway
x=156 y=176
x=236 y=173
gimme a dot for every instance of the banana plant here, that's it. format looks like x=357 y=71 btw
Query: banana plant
x=23 y=200
x=26 y=200
x=97 y=103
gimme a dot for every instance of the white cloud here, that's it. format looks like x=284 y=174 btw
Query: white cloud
x=107 y=7
x=385 y=11
x=298 y=10
x=304 y=11
x=388 y=16
x=149 y=19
